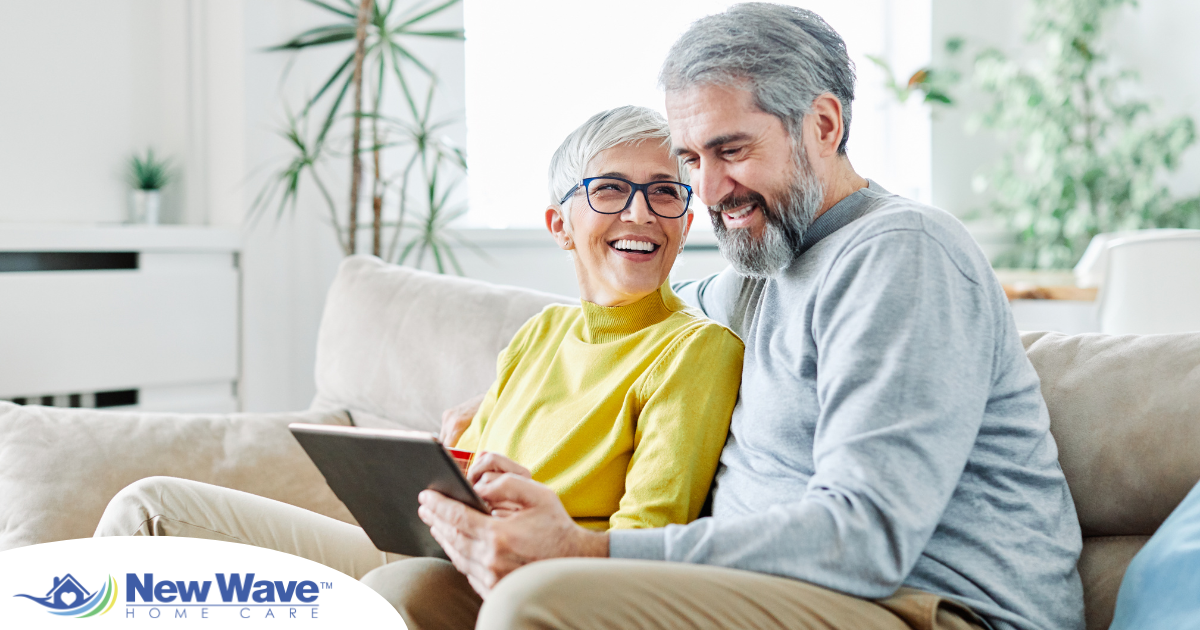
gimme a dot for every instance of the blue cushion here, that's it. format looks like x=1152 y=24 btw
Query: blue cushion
x=1161 y=588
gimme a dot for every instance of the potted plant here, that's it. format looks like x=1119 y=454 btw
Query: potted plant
x=147 y=176
x=373 y=36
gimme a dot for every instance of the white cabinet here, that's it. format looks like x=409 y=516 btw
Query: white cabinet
x=143 y=317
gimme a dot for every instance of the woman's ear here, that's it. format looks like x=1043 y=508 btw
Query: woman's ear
x=558 y=229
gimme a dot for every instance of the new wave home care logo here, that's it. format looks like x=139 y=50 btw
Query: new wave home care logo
x=277 y=599
x=163 y=581
x=149 y=597
x=68 y=598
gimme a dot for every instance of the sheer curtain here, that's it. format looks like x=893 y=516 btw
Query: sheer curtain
x=536 y=69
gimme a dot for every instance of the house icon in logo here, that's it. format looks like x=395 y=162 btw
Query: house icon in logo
x=69 y=598
x=67 y=593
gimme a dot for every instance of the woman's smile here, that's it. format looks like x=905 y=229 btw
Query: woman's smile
x=623 y=256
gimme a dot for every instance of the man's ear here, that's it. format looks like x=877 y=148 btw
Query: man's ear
x=558 y=229
x=825 y=125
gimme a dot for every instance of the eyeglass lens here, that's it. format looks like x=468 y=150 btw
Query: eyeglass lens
x=610 y=196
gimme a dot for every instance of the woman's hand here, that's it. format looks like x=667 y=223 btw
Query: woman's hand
x=489 y=466
x=456 y=419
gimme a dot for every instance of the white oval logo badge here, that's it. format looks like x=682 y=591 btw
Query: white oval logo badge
x=138 y=580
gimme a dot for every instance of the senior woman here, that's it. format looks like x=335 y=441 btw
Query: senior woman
x=621 y=405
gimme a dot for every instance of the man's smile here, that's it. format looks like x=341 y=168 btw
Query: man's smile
x=740 y=216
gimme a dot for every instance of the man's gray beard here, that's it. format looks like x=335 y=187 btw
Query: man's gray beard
x=783 y=233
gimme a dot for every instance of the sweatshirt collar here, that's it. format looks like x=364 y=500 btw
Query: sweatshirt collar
x=841 y=214
x=602 y=324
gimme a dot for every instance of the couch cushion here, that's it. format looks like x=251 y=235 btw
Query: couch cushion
x=1160 y=586
x=398 y=346
x=1125 y=411
x=1101 y=567
x=60 y=467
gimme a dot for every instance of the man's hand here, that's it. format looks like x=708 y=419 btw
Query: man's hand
x=532 y=526
x=456 y=419
x=488 y=466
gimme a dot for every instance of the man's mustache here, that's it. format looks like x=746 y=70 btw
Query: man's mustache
x=730 y=204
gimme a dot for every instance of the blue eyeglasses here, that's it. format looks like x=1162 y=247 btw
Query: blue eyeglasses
x=614 y=195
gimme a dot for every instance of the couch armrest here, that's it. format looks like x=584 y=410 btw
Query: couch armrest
x=60 y=467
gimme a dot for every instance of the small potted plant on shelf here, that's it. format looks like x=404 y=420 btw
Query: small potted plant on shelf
x=147 y=175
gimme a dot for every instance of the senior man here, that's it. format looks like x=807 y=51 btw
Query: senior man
x=889 y=464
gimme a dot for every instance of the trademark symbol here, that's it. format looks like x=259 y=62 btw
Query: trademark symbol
x=325 y=586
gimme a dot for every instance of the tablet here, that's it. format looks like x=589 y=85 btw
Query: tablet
x=378 y=474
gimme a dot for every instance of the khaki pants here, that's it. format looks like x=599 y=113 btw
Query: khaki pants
x=606 y=594
x=166 y=506
x=568 y=593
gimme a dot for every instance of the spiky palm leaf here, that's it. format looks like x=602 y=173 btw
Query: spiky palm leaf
x=433 y=232
x=282 y=190
x=386 y=47
x=387 y=56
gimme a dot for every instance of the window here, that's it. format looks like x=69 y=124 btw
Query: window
x=536 y=69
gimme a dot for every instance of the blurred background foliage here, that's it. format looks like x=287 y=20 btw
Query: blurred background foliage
x=1083 y=151
x=1084 y=154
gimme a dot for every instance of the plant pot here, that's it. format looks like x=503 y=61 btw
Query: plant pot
x=144 y=206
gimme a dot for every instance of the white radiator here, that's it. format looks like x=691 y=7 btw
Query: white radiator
x=136 y=317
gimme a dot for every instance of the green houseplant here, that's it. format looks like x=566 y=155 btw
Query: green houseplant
x=147 y=176
x=934 y=83
x=378 y=56
x=1083 y=156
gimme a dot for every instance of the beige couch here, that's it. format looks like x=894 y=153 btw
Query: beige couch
x=397 y=346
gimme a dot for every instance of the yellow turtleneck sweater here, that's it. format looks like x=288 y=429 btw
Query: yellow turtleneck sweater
x=623 y=411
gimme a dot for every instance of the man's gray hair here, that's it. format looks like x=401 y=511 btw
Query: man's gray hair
x=622 y=125
x=788 y=56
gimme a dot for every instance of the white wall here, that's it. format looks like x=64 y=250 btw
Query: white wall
x=91 y=83
x=80 y=95
x=1156 y=38
x=290 y=263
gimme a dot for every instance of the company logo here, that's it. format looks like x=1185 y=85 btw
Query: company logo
x=292 y=599
x=173 y=580
x=68 y=598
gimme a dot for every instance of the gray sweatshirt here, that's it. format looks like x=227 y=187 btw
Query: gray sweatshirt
x=889 y=430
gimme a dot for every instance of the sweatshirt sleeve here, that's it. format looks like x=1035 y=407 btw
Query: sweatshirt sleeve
x=712 y=295
x=905 y=358
x=689 y=397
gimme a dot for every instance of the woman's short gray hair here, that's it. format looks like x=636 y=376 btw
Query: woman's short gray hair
x=789 y=56
x=622 y=125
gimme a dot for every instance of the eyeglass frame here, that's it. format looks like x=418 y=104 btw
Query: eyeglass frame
x=633 y=191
